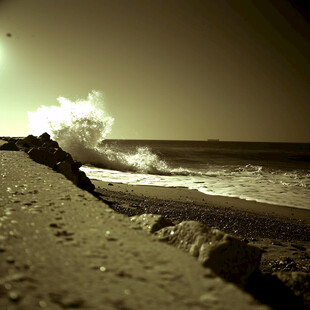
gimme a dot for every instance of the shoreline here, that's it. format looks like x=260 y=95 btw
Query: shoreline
x=183 y=194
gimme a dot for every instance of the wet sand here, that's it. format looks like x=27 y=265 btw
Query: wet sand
x=193 y=196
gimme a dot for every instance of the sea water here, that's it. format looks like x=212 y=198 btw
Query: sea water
x=276 y=173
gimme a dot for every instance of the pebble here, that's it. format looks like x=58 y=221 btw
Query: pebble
x=54 y=225
x=42 y=304
x=127 y=292
x=14 y=296
x=10 y=260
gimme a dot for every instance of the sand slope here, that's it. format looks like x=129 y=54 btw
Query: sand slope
x=60 y=247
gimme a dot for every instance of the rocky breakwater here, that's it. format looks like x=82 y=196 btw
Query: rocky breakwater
x=45 y=151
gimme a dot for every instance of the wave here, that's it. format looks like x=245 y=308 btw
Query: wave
x=80 y=127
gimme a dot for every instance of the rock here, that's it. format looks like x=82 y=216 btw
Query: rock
x=84 y=182
x=42 y=156
x=9 y=146
x=45 y=137
x=228 y=256
x=298 y=282
x=75 y=166
x=14 y=296
x=50 y=144
x=65 y=168
x=29 y=141
x=69 y=158
x=47 y=152
x=60 y=154
x=151 y=222
x=269 y=289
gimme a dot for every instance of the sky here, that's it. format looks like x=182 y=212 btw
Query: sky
x=235 y=70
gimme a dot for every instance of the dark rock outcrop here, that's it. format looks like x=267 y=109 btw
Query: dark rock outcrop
x=9 y=146
x=65 y=167
x=228 y=256
x=43 y=156
x=29 y=141
x=45 y=151
x=45 y=137
x=84 y=182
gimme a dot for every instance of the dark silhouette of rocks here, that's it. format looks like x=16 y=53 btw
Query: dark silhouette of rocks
x=29 y=141
x=45 y=137
x=42 y=156
x=44 y=150
x=9 y=146
x=60 y=154
x=65 y=167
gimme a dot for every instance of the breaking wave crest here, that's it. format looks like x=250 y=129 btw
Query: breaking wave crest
x=79 y=127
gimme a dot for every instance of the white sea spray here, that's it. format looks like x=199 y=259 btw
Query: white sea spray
x=80 y=127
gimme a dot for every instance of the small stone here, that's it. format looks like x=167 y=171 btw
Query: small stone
x=42 y=304
x=10 y=260
x=14 y=296
x=127 y=292
x=54 y=225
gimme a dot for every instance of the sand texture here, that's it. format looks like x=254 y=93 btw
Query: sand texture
x=61 y=247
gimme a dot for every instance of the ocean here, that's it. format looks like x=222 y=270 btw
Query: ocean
x=275 y=173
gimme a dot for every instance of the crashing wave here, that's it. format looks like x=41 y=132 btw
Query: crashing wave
x=81 y=126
